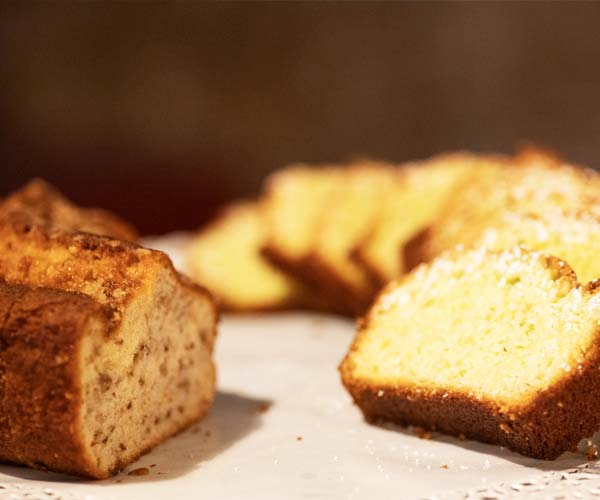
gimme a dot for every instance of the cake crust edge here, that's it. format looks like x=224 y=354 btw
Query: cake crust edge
x=41 y=337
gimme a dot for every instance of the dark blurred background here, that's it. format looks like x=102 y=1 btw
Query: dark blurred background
x=162 y=112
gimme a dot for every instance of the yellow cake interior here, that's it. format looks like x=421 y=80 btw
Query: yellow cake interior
x=293 y=203
x=573 y=236
x=150 y=378
x=226 y=258
x=497 y=327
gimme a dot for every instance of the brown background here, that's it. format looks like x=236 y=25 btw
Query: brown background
x=162 y=112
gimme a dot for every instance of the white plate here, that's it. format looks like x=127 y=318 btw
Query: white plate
x=283 y=427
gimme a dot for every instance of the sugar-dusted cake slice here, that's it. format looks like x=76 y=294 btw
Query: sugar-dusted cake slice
x=105 y=350
x=43 y=202
x=226 y=257
x=572 y=235
x=499 y=347
x=425 y=189
x=536 y=183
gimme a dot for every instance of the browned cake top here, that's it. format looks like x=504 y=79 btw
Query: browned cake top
x=33 y=252
x=43 y=202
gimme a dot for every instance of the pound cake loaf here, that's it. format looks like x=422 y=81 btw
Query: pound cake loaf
x=43 y=202
x=226 y=257
x=536 y=183
x=499 y=347
x=105 y=350
x=424 y=190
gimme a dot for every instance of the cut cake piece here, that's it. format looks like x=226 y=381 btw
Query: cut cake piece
x=293 y=201
x=112 y=357
x=346 y=219
x=226 y=257
x=425 y=189
x=536 y=183
x=572 y=235
x=43 y=202
x=499 y=347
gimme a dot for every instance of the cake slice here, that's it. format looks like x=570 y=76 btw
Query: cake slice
x=413 y=203
x=499 y=347
x=346 y=220
x=43 y=202
x=226 y=257
x=294 y=199
x=536 y=183
x=572 y=235
x=105 y=350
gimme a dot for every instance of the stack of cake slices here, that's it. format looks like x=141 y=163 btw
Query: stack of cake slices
x=330 y=237
x=477 y=276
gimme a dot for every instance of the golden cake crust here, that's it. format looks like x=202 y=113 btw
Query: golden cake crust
x=553 y=423
x=43 y=202
x=117 y=275
x=40 y=336
x=532 y=433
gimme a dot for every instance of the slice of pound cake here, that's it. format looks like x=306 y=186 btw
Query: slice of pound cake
x=226 y=257
x=105 y=350
x=293 y=201
x=500 y=347
x=345 y=221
